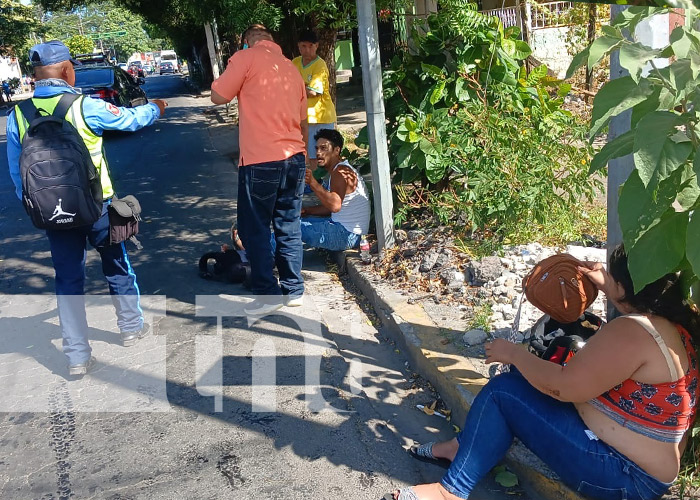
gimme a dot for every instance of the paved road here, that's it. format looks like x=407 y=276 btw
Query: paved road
x=313 y=402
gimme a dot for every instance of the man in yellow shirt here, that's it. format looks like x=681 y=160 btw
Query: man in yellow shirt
x=314 y=72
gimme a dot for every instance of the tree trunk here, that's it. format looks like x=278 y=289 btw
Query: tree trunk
x=326 y=50
x=592 y=15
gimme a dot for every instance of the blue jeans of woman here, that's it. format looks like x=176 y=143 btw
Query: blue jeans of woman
x=509 y=407
x=271 y=193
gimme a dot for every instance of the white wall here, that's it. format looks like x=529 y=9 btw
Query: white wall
x=9 y=69
x=549 y=47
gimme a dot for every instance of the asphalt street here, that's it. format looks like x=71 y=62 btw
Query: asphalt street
x=313 y=402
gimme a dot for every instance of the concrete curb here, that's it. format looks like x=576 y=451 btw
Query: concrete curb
x=450 y=372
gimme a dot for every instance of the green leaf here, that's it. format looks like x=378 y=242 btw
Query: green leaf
x=611 y=31
x=362 y=139
x=689 y=192
x=680 y=43
x=537 y=74
x=659 y=250
x=639 y=208
x=648 y=105
x=413 y=136
x=437 y=92
x=428 y=147
x=461 y=89
x=579 y=60
x=620 y=146
x=522 y=50
x=506 y=479
x=410 y=124
x=433 y=71
x=615 y=97
x=564 y=89
x=634 y=56
x=403 y=155
x=601 y=47
x=696 y=165
x=656 y=156
x=692 y=245
x=434 y=169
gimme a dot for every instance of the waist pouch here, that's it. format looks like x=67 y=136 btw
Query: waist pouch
x=124 y=217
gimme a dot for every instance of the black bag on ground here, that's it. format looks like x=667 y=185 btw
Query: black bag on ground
x=558 y=342
x=61 y=188
x=124 y=216
x=231 y=266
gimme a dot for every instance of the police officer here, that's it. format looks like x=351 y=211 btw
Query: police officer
x=54 y=73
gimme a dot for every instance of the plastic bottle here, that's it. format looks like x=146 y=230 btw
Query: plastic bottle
x=364 y=250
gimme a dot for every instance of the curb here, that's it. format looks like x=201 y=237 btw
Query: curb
x=450 y=372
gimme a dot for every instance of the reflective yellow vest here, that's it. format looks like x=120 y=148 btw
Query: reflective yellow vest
x=75 y=118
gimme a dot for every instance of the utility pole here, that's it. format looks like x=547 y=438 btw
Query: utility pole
x=653 y=33
x=376 y=128
x=211 y=47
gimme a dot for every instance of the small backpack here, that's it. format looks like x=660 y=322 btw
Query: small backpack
x=61 y=188
x=558 y=342
x=231 y=266
x=556 y=287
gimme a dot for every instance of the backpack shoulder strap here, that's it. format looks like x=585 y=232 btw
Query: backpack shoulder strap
x=645 y=323
x=64 y=104
x=29 y=110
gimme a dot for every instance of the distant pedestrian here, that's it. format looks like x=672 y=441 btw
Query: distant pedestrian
x=314 y=72
x=55 y=94
x=272 y=112
x=7 y=90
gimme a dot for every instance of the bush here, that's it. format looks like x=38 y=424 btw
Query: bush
x=466 y=118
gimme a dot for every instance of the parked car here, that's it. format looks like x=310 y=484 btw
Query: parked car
x=166 y=67
x=111 y=84
x=147 y=68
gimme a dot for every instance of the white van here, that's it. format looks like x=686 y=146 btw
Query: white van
x=171 y=57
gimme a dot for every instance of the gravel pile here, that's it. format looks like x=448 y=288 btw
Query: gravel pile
x=430 y=268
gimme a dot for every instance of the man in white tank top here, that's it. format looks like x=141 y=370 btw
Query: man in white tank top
x=343 y=215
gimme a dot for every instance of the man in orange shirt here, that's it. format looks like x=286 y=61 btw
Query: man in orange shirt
x=273 y=125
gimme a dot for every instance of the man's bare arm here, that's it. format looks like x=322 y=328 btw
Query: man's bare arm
x=218 y=99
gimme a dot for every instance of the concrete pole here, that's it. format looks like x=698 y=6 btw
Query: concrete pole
x=653 y=33
x=376 y=128
x=212 y=51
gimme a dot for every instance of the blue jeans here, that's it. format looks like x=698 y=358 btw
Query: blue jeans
x=271 y=193
x=68 y=252
x=322 y=232
x=507 y=407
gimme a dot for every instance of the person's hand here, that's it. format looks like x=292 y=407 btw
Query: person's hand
x=500 y=351
x=162 y=104
x=309 y=177
x=595 y=271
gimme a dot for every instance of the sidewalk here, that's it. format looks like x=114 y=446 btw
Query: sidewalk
x=453 y=373
x=450 y=371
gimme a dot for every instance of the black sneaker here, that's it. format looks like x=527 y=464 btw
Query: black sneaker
x=82 y=368
x=130 y=338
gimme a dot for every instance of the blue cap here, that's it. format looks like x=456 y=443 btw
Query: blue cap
x=53 y=52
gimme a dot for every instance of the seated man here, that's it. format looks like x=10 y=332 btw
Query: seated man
x=342 y=218
x=343 y=215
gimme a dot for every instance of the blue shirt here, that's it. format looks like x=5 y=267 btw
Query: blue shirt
x=99 y=116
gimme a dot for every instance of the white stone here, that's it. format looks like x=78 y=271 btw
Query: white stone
x=474 y=337
x=507 y=263
x=587 y=253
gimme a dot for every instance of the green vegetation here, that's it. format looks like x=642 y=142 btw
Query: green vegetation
x=475 y=138
x=79 y=44
x=658 y=208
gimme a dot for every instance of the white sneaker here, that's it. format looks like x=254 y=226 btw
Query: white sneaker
x=261 y=308
x=294 y=300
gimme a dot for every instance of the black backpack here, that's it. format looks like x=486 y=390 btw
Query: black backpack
x=231 y=266
x=558 y=342
x=61 y=188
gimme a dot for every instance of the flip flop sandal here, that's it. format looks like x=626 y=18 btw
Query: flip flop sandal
x=404 y=494
x=424 y=453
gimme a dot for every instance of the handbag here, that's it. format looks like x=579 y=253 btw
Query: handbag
x=556 y=287
x=124 y=217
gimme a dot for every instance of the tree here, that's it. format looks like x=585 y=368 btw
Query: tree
x=79 y=44
x=16 y=26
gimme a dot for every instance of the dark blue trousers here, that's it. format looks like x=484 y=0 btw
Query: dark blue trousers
x=68 y=252
x=270 y=193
